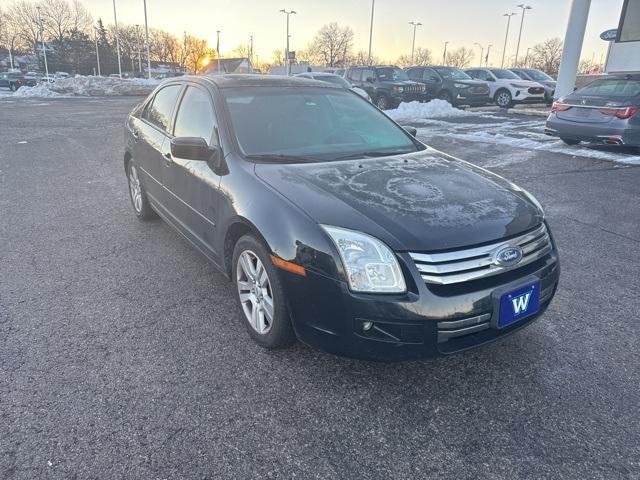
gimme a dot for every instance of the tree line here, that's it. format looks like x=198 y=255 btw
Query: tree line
x=71 y=36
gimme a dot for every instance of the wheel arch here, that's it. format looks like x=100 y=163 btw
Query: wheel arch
x=238 y=227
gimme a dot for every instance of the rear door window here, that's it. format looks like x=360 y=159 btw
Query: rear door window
x=620 y=87
x=159 y=111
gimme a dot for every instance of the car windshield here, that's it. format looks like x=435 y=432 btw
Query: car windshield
x=503 y=74
x=333 y=79
x=391 y=73
x=453 y=73
x=610 y=87
x=539 y=76
x=311 y=124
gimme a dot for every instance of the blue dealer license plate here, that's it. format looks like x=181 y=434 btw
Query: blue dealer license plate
x=518 y=304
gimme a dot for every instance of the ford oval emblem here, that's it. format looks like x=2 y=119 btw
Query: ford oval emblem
x=508 y=256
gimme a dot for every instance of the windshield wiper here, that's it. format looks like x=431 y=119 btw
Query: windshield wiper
x=278 y=157
x=373 y=153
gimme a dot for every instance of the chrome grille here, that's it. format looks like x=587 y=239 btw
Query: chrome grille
x=473 y=263
x=536 y=90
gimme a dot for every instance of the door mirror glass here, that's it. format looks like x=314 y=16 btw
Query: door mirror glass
x=191 y=148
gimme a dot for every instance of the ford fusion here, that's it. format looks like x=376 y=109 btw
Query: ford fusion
x=335 y=224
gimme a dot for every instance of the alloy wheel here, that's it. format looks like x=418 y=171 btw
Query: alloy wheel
x=504 y=99
x=135 y=189
x=254 y=290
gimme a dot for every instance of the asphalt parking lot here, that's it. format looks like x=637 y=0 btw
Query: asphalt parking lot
x=122 y=356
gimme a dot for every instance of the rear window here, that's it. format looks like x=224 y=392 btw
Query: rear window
x=504 y=74
x=612 y=88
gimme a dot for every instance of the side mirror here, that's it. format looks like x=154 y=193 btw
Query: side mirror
x=491 y=79
x=413 y=131
x=191 y=148
x=369 y=80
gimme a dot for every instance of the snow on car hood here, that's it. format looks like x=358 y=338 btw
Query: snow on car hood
x=421 y=201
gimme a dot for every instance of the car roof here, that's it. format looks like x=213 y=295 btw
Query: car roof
x=253 y=80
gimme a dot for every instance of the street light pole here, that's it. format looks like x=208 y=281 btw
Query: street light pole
x=506 y=35
x=287 y=62
x=444 y=54
x=524 y=9
x=526 y=57
x=97 y=51
x=413 y=43
x=146 y=32
x=481 y=53
x=486 y=59
x=251 y=50
x=139 y=51
x=218 y=49
x=44 y=48
x=373 y=4
x=115 y=20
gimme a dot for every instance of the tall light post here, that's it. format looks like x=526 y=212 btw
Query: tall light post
x=115 y=21
x=506 y=35
x=373 y=4
x=524 y=9
x=146 y=33
x=481 y=53
x=218 y=49
x=413 y=43
x=95 y=31
x=526 y=57
x=44 y=48
x=444 y=54
x=287 y=63
x=486 y=59
x=251 y=50
x=139 y=51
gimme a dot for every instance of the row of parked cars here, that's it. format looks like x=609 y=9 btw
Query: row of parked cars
x=15 y=79
x=388 y=85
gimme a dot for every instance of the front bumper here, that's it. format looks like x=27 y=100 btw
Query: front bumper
x=616 y=132
x=472 y=100
x=523 y=96
x=398 y=98
x=427 y=321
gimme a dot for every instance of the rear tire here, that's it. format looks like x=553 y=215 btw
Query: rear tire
x=260 y=295
x=12 y=87
x=503 y=98
x=570 y=141
x=139 y=201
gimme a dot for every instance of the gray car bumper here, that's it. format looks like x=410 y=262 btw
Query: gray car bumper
x=611 y=133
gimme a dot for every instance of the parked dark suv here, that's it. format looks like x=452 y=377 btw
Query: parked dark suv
x=386 y=85
x=334 y=223
x=452 y=85
x=13 y=81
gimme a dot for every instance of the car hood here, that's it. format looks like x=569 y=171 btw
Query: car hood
x=472 y=83
x=420 y=201
x=528 y=83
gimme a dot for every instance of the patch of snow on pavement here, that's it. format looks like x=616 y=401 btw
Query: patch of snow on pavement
x=90 y=87
x=415 y=111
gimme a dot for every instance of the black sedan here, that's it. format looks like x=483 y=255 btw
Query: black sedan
x=335 y=224
x=606 y=111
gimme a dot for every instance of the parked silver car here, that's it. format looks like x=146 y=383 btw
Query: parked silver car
x=539 y=76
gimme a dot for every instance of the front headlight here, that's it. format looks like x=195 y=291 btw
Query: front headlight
x=461 y=85
x=398 y=89
x=369 y=264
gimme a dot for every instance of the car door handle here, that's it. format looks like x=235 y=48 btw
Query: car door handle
x=168 y=159
x=135 y=135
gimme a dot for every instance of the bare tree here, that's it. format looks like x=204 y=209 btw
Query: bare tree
x=421 y=56
x=546 y=55
x=241 y=51
x=23 y=19
x=198 y=51
x=460 y=58
x=333 y=44
x=163 y=46
x=362 y=58
x=277 y=59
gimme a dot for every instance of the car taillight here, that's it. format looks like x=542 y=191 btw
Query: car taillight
x=621 y=113
x=559 y=107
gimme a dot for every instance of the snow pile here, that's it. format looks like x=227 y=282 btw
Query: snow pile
x=90 y=87
x=436 y=108
x=40 y=90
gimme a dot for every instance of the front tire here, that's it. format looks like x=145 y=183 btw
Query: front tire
x=503 y=98
x=446 y=96
x=382 y=102
x=260 y=295
x=138 y=196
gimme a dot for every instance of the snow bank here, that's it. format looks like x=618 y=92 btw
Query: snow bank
x=90 y=87
x=413 y=111
x=40 y=90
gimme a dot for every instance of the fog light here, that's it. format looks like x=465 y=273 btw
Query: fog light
x=366 y=326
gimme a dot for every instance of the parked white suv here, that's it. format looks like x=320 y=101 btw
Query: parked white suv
x=506 y=88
